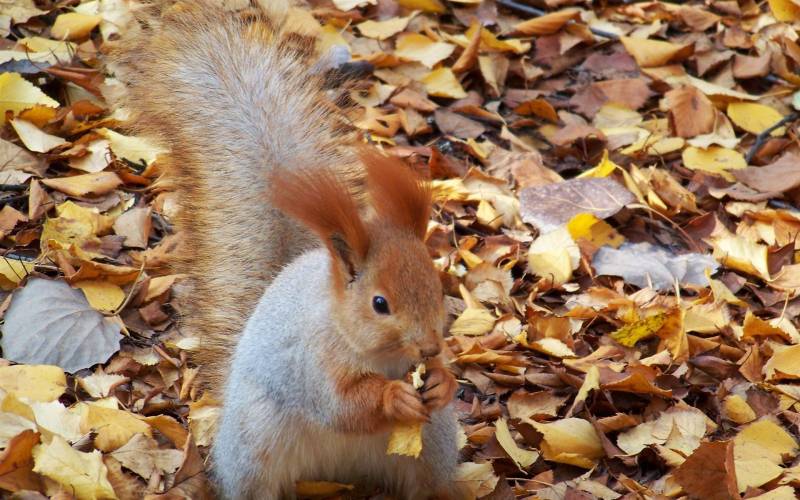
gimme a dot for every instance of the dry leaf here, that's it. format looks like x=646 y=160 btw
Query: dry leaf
x=571 y=441
x=33 y=382
x=49 y=322
x=83 y=474
x=523 y=458
x=34 y=139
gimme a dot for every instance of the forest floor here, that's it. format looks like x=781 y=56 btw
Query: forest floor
x=617 y=188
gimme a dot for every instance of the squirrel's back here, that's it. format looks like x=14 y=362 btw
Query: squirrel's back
x=234 y=95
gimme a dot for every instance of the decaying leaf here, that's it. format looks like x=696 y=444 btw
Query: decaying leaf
x=553 y=205
x=50 y=323
x=645 y=265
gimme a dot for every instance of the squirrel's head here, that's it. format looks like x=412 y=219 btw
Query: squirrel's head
x=387 y=296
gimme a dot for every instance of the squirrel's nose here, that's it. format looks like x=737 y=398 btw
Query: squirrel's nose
x=431 y=350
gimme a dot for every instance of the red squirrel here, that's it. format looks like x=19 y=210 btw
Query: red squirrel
x=310 y=286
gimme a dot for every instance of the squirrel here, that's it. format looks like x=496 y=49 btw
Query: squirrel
x=309 y=283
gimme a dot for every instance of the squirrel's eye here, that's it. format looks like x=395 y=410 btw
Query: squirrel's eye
x=380 y=305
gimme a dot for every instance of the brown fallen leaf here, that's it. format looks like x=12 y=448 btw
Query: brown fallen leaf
x=709 y=472
x=16 y=464
x=82 y=185
x=691 y=113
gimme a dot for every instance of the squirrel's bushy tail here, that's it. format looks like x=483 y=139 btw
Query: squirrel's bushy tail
x=234 y=95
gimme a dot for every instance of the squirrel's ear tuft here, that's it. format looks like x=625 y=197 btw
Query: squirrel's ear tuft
x=397 y=192
x=320 y=200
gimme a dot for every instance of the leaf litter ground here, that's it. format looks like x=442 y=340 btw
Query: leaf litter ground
x=616 y=227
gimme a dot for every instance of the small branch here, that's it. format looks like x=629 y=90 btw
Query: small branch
x=763 y=136
x=533 y=11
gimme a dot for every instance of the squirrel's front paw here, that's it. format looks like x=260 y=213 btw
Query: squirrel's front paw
x=401 y=402
x=439 y=389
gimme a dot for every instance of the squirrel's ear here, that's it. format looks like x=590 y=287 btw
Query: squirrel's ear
x=397 y=192
x=323 y=203
x=350 y=261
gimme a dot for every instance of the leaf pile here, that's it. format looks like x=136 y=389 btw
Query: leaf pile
x=616 y=228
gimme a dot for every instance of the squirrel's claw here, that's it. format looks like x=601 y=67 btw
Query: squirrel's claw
x=439 y=389
x=403 y=403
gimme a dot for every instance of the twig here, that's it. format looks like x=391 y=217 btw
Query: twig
x=762 y=137
x=533 y=11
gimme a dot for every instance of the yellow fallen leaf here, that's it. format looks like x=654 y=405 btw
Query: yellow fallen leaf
x=629 y=335
x=114 y=427
x=434 y=6
x=649 y=53
x=715 y=159
x=554 y=256
x=12 y=271
x=547 y=24
x=84 y=475
x=74 y=25
x=489 y=42
x=758 y=453
x=134 y=149
x=420 y=48
x=780 y=493
x=330 y=36
x=204 y=417
x=604 y=168
x=655 y=145
x=784 y=364
x=33 y=382
x=383 y=30
x=97 y=160
x=62 y=50
x=737 y=410
x=76 y=228
x=755 y=118
x=754 y=326
x=17 y=93
x=785 y=10
x=740 y=253
x=523 y=458
x=552 y=347
x=52 y=418
x=102 y=295
x=587 y=226
x=406 y=439
x=473 y=321
x=34 y=139
x=346 y=5
x=571 y=441
x=679 y=428
x=442 y=82
x=723 y=293
x=478 y=478
x=82 y=185
x=590 y=382
x=100 y=384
